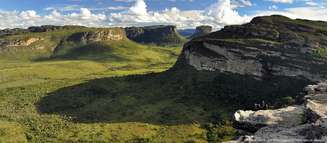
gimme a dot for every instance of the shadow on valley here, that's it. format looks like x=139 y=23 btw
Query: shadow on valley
x=172 y=97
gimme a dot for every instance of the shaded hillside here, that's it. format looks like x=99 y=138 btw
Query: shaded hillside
x=160 y=35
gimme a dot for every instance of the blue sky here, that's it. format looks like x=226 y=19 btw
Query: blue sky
x=183 y=13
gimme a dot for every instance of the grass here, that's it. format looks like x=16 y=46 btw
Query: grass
x=27 y=76
x=122 y=91
x=25 y=83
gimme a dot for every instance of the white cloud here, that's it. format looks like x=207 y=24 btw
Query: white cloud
x=139 y=8
x=273 y=7
x=117 y=8
x=311 y=3
x=311 y=13
x=282 y=1
x=219 y=14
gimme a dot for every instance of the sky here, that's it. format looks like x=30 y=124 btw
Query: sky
x=123 y=13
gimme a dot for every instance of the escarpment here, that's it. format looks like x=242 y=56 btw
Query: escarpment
x=79 y=39
x=201 y=30
x=19 y=42
x=154 y=35
x=99 y=35
x=266 y=47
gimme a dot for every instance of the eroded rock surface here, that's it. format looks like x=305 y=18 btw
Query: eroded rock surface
x=100 y=35
x=19 y=42
x=256 y=119
x=202 y=30
x=309 y=127
x=154 y=34
x=266 y=47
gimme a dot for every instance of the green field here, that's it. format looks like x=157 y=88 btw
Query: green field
x=100 y=92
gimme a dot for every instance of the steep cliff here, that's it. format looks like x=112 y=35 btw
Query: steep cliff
x=84 y=38
x=161 y=35
x=48 y=28
x=201 y=30
x=266 y=47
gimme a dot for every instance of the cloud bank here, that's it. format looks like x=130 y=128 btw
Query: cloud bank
x=219 y=14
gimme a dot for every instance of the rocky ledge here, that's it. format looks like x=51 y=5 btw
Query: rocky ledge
x=114 y=34
x=201 y=30
x=154 y=34
x=294 y=124
x=266 y=47
x=19 y=42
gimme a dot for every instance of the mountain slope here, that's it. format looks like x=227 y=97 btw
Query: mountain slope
x=160 y=35
x=266 y=47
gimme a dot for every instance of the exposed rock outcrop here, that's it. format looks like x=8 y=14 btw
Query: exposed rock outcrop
x=313 y=128
x=6 y=32
x=47 y=28
x=87 y=37
x=154 y=34
x=253 y=120
x=19 y=42
x=100 y=35
x=201 y=30
x=266 y=47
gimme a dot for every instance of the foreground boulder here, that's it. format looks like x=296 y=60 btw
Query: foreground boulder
x=266 y=47
x=311 y=127
x=253 y=120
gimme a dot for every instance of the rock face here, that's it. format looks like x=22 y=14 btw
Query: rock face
x=201 y=30
x=6 y=32
x=101 y=35
x=154 y=34
x=47 y=28
x=291 y=129
x=265 y=47
x=253 y=120
x=19 y=42
x=87 y=37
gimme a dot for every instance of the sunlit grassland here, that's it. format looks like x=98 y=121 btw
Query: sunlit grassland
x=23 y=82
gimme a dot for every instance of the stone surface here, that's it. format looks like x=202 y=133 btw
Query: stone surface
x=100 y=35
x=282 y=117
x=47 y=28
x=314 y=128
x=265 y=47
x=201 y=30
x=154 y=34
x=19 y=42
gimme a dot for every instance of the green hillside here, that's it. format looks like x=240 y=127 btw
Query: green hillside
x=28 y=76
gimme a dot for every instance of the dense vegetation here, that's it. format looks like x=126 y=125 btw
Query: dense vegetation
x=122 y=91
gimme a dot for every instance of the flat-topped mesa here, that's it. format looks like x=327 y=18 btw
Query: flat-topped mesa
x=89 y=36
x=6 y=32
x=110 y=34
x=266 y=47
x=154 y=34
x=47 y=28
x=202 y=30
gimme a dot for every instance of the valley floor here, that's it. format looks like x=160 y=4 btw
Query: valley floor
x=27 y=116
